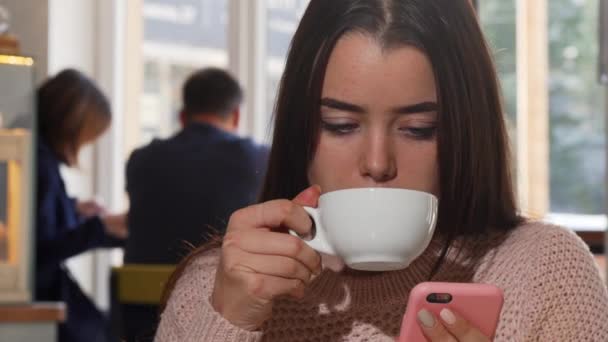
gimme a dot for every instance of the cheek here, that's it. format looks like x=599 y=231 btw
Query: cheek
x=418 y=169
x=332 y=164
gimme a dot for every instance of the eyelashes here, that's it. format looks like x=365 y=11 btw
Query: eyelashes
x=339 y=129
x=344 y=129
x=422 y=133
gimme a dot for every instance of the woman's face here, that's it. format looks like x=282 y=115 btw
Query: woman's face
x=378 y=119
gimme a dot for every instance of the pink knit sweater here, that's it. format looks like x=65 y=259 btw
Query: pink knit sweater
x=552 y=288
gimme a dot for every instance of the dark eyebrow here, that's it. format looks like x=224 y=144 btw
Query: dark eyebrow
x=421 y=107
x=341 y=105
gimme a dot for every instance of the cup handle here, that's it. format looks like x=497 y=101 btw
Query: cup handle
x=319 y=243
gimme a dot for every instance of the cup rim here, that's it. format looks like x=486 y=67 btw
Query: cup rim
x=371 y=189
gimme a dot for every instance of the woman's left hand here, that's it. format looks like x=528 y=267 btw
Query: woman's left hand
x=448 y=327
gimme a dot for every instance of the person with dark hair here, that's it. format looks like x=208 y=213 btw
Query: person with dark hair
x=389 y=94
x=72 y=112
x=212 y=93
x=184 y=189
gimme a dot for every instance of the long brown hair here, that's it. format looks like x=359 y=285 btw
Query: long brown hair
x=477 y=200
x=68 y=104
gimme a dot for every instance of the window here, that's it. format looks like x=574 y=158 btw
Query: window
x=498 y=23
x=283 y=17
x=575 y=142
x=180 y=36
x=576 y=109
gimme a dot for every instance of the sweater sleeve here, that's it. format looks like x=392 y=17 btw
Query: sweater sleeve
x=569 y=301
x=189 y=315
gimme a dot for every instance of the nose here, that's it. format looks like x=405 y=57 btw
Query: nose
x=378 y=158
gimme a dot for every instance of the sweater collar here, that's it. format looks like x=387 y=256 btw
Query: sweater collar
x=375 y=287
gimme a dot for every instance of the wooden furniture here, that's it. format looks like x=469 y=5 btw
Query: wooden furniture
x=30 y=322
x=15 y=155
x=17 y=181
x=593 y=238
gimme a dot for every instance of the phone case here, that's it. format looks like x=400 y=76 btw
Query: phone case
x=480 y=304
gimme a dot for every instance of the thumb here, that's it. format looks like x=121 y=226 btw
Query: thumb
x=308 y=197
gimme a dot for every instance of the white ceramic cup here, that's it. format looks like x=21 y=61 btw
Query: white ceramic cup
x=374 y=229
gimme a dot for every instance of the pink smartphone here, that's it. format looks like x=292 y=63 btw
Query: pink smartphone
x=480 y=304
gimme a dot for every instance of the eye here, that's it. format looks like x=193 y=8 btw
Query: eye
x=421 y=133
x=339 y=128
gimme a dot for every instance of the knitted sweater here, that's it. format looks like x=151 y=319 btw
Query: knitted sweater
x=551 y=284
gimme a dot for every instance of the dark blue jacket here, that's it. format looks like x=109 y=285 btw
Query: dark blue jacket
x=60 y=234
x=184 y=188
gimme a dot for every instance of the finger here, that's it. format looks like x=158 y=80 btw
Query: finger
x=309 y=197
x=460 y=328
x=273 y=243
x=272 y=214
x=269 y=287
x=432 y=328
x=238 y=260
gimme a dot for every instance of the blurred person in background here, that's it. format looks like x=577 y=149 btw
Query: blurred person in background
x=72 y=112
x=185 y=188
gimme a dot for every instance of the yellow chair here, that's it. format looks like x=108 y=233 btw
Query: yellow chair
x=141 y=283
x=136 y=291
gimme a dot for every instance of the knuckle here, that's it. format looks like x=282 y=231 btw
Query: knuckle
x=297 y=285
x=466 y=330
x=255 y=286
x=439 y=333
x=229 y=264
x=285 y=207
x=230 y=239
x=294 y=245
x=318 y=261
x=292 y=268
x=236 y=217
x=446 y=337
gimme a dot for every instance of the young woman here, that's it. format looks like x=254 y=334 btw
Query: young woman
x=400 y=94
x=72 y=112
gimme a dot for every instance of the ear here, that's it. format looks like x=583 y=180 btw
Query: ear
x=183 y=120
x=236 y=117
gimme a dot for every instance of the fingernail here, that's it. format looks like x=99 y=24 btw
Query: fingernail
x=447 y=316
x=426 y=318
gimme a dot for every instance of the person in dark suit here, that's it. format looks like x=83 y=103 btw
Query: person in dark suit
x=184 y=188
x=72 y=112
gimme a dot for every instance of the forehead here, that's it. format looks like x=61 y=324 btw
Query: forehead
x=359 y=68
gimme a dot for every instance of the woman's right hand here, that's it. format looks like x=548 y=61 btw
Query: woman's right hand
x=260 y=262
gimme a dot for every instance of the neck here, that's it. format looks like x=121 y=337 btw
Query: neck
x=213 y=120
